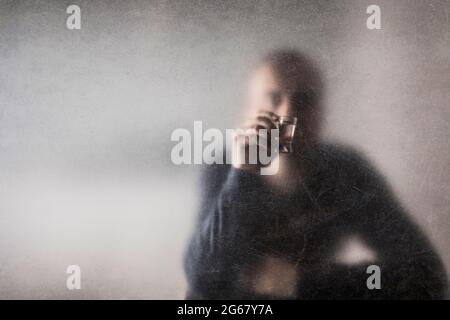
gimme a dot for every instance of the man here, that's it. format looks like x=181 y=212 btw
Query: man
x=311 y=230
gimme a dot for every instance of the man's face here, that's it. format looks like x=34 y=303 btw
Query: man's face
x=267 y=92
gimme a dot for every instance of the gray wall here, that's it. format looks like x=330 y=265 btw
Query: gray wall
x=86 y=117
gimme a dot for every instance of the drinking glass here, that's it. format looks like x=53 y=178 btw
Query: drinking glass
x=287 y=127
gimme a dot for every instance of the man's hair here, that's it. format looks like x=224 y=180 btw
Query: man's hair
x=297 y=74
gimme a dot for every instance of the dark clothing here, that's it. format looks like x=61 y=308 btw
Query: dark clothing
x=243 y=220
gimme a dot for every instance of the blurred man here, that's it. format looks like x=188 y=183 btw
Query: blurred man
x=311 y=230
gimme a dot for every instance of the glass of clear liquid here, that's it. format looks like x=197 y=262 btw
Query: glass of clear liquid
x=287 y=126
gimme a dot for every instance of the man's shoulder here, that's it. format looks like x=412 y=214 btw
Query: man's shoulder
x=337 y=152
x=215 y=171
x=334 y=154
x=343 y=177
x=213 y=176
x=343 y=162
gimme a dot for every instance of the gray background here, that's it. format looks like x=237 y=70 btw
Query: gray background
x=86 y=118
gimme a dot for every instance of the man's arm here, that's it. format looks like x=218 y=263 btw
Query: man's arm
x=410 y=266
x=223 y=238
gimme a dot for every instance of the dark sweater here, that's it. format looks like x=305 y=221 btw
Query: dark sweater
x=243 y=220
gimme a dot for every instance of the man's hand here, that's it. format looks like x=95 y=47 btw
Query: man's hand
x=251 y=137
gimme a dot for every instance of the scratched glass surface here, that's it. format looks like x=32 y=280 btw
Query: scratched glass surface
x=86 y=117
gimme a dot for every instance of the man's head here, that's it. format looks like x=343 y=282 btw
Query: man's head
x=288 y=84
